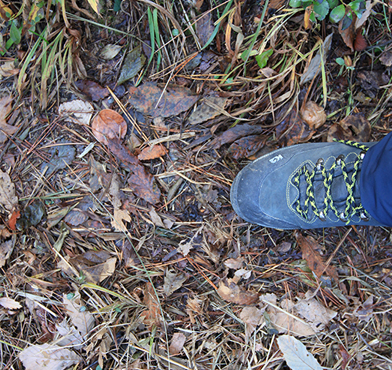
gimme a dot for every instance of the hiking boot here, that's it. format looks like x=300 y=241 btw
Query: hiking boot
x=304 y=186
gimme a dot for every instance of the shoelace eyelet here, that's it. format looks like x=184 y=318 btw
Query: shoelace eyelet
x=364 y=217
x=339 y=159
x=319 y=164
x=322 y=216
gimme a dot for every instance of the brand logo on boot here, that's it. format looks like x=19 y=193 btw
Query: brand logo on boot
x=276 y=159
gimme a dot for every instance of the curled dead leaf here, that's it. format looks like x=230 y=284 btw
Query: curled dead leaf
x=48 y=356
x=77 y=111
x=309 y=247
x=151 y=99
x=7 y=192
x=152 y=317
x=108 y=124
x=177 y=343
x=313 y=115
x=246 y=146
x=355 y=127
x=92 y=89
x=9 y=303
x=207 y=109
x=231 y=292
x=293 y=129
x=152 y=152
x=348 y=33
x=235 y=133
x=6 y=130
x=173 y=281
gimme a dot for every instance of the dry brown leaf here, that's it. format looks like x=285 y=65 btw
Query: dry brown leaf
x=101 y=271
x=194 y=307
x=110 y=51
x=143 y=184
x=177 y=343
x=152 y=317
x=348 y=34
x=273 y=4
x=307 y=21
x=98 y=176
x=77 y=111
x=231 y=292
x=252 y=317
x=370 y=81
x=9 y=303
x=96 y=266
x=234 y=263
x=68 y=335
x=355 y=127
x=6 y=130
x=185 y=246
x=314 y=66
x=173 y=281
x=313 y=115
x=115 y=191
x=92 y=90
x=82 y=319
x=119 y=216
x=5 y=251
x=205 y=28
x=8 y=69
x=171 y=102
x=207 y=109
x=292 y=129
x=7 y=192
x=47 y=356
x=152 y=152
x=365 y=310
x=140 y=181
x=156 y=220
x=386 y=58
x=107 y=125
x=316 y=314
x=365 y=15
x=288 y=324
x=360 y=43
x=235 y=133
x=246 y=146
x=285 y=320
x=309 y=248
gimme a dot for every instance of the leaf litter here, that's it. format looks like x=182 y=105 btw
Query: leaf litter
x=137 y=230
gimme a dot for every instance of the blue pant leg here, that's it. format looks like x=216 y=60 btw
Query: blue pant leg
x=376 y=181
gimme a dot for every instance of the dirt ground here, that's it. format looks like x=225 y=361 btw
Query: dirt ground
x=120 y=136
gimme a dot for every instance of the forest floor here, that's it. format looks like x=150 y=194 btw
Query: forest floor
x=120 y=135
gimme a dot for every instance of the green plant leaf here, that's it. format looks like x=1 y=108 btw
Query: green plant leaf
x=295 y=3
x=305 y=4
x=357 y=5
x=340 y=61
x=322 y=9
x=333 y=3
x=312 y=17
x=347 y=20
x=15 y=34
x=337 y=13
x=262 y=58
x=117 y=5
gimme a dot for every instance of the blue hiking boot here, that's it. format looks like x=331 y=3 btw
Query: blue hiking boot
x=304 y=186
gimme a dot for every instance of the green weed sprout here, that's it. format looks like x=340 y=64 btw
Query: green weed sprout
x=337 y=10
